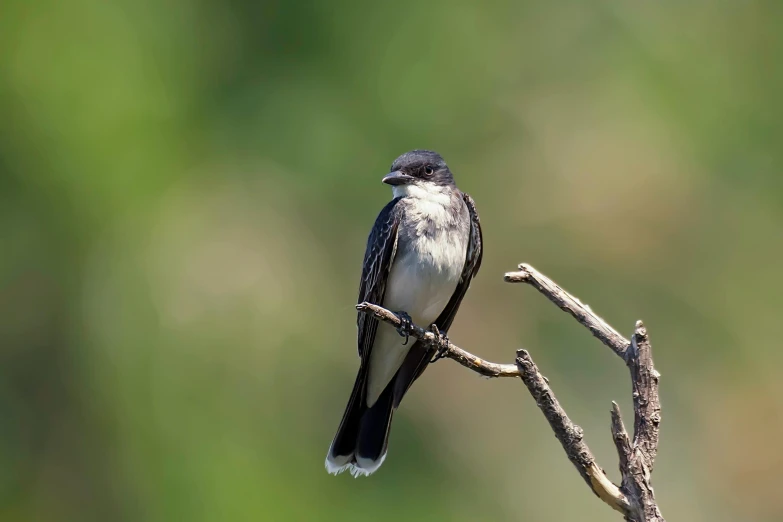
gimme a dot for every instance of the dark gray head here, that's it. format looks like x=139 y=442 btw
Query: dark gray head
x=420 y=167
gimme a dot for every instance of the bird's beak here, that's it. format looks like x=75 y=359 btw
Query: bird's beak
x=397 y=178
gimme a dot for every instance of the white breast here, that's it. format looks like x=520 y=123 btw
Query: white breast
x=422 y=280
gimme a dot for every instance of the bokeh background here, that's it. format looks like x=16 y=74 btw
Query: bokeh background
x=186 y=187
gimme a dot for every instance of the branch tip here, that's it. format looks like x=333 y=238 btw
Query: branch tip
x=639 y=329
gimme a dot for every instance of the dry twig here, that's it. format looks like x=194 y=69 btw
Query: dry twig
x=634 y=498
x=468 y=360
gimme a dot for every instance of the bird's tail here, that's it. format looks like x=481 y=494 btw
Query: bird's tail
x=362 y=438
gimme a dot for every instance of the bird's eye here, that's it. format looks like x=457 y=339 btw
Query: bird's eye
x=428 y=170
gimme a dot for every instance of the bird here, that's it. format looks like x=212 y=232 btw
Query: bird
x=422 y=253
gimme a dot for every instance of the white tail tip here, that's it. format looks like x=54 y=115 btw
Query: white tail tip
x=360 y=468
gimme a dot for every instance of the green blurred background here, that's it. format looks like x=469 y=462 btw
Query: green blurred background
x=186 y=187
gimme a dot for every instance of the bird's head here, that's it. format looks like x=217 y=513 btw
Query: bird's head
x=419 y=171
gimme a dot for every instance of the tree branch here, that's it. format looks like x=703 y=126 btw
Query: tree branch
x=646 y=403
x=638 y=458
x=634 y=498
x=568 y=303
x=570 y=435
x=452 y=351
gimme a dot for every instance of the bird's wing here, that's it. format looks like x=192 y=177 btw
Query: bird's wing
x=381 y=247
x=419 y=356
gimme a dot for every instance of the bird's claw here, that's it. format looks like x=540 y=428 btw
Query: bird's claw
x=405 y=323
x=442 y=344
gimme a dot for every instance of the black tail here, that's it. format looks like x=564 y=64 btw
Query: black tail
x=362 y=438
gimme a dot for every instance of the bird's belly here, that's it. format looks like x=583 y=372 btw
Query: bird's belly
x=420 y=289
x=422 y=286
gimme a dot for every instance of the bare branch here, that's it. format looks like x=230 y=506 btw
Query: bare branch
x=570 y=435
x=634 y=498
x=568 y=303
x=638 y=458
x=620 y=436
x=452 y=351
x=646 y=403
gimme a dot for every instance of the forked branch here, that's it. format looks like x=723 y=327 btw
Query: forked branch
x=634 y=498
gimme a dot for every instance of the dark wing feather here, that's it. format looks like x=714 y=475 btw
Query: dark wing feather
x=381 y=247
x=417 y=359
x=363 y=429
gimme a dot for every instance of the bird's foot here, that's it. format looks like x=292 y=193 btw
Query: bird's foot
x=405 y=323
x=442 y=346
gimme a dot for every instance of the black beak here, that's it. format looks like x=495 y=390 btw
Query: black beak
x=397 y=178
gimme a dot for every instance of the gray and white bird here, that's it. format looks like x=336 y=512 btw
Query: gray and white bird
x=422 y=254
